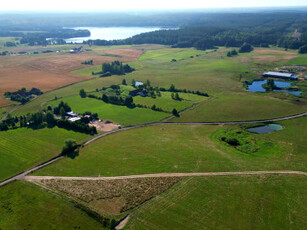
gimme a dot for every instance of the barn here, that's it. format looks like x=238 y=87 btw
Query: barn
x=287 y=76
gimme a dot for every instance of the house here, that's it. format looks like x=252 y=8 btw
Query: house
x=76 y=50
x=72 y=114
x=137 y=83
x=73 y=119
x=287 y=76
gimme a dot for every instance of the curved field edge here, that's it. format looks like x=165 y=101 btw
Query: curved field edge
x=238 y=202
x=183 y=148
x=27 y=206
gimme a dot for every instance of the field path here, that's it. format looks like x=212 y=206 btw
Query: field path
x=23 y=174
x=35 y=178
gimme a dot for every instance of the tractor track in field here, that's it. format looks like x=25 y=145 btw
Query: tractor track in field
x=23 y=174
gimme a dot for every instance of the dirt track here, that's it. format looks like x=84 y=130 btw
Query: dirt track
x=35 y=178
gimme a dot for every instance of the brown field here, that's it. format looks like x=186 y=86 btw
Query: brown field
x=111 y=196
x=49 y=72
x=265 y=51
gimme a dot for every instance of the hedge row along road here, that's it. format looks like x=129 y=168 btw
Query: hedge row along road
x=23 y=174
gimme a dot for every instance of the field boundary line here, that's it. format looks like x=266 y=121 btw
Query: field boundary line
x=289 y=172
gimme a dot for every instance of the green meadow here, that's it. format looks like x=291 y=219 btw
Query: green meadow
x=27 y=206
x=238 y=107
x=121 y=114
x=227 y=202
x=24 y=148
x=183 y=148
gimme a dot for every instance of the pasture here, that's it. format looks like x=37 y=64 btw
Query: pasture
x=120 y=114
x=183 y=148
x=24 y=148
x=26 y=206
x=238 y=107
x=233 y=202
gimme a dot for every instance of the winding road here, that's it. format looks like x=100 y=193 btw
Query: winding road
x=23 y=174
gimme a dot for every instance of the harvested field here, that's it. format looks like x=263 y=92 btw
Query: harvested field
x=104 y=126
x=272 y=51
x=132 y=53
x=49 y=72
x=114 y=196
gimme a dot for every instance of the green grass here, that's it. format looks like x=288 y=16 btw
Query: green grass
x=24 y=148
x=167 y=103
x=26 y=206
x=183 y=148
x=233 y=202
x=171 y=53
x=301 y=60
x=123 y=115
x=87 y=71
x=240 y=108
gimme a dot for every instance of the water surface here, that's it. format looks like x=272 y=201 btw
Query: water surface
x=256 y=86
x=110 y=33
x=265 y=128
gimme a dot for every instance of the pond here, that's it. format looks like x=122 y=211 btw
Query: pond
x=256 y=86
x=265 y=128
x=110 y=33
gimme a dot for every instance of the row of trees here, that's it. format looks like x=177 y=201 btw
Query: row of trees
x=89 y=62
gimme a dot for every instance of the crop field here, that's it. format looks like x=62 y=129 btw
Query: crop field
x=49 y=72
x=24 y=148
x=240 y=107
x=238 y=202
x=183 y=148
x=27 y=206
x=120 y=114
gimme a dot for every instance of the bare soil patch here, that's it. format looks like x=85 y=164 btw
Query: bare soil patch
x=113 y=196
x=271 y=51
x=104 y=126
x=132 y=53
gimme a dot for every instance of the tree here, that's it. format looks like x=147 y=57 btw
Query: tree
x=175 y=113
x=62 y=112
x=133 y=83
x=124 y=82
x=50 y=119
x=82 y=93
x=172 y=88
x=128 y=101
x=177 y=97
x=303 y=49
x=228 y=54
x=246 y=48
x=70 y=145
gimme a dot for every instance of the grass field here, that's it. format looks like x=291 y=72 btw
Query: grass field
x=240 y=108
x=24 y=148
x=121 y=114
x=167 y=103
x=27 y=206
x=239 y=202
x=183 y=148
x=301 y=60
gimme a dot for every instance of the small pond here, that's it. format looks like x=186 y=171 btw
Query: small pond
x=265 y=128
x=256 y=86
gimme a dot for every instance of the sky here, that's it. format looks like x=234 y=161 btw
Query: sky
x=99 y=5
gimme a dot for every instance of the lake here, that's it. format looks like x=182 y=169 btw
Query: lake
x=110 y=33
x=256 y=86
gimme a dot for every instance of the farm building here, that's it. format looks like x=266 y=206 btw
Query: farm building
x=72 y=114
x=73 y=119
x=288 y=76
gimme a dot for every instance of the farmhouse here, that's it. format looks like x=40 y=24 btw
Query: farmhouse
x=73 y=119
x=72 y=114
x=288 y=76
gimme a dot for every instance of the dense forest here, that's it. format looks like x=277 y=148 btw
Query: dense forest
x=199 y=29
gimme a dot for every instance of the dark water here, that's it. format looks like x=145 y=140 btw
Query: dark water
x=265 y=128
x=256 y=86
